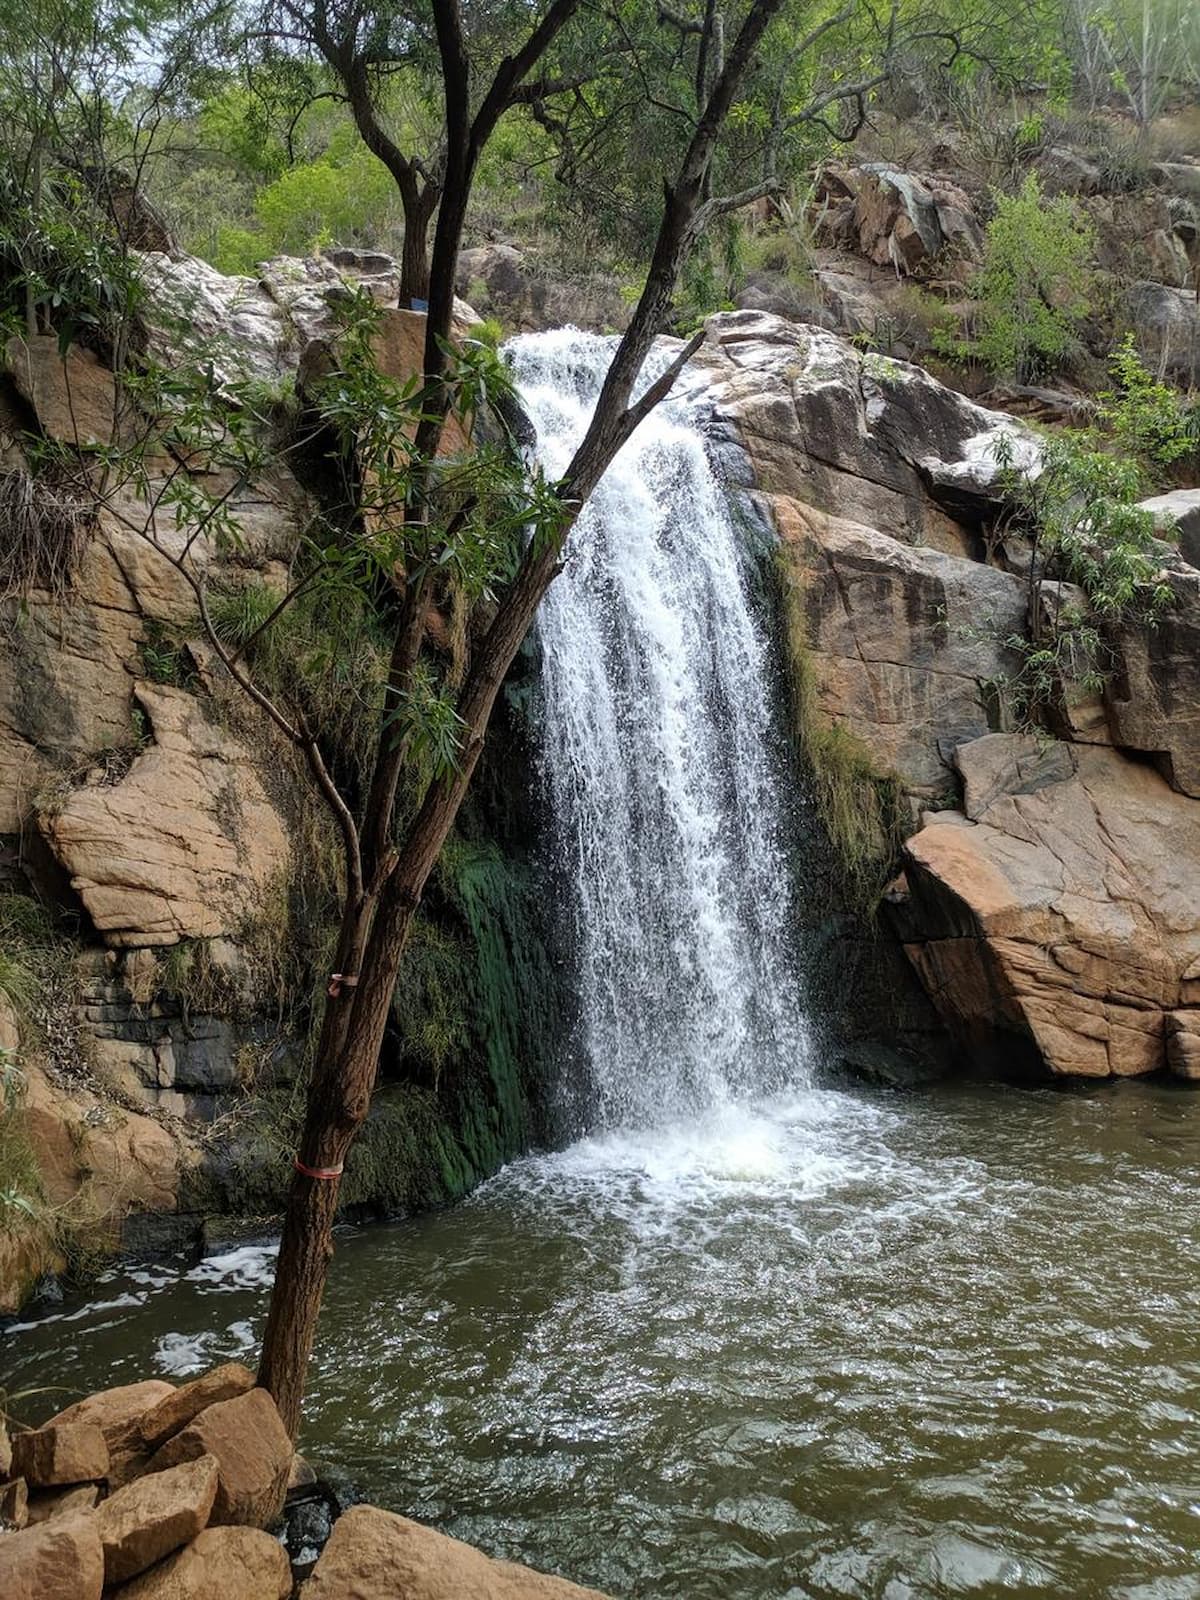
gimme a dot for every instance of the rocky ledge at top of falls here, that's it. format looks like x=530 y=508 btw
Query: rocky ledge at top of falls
x=1050 y=897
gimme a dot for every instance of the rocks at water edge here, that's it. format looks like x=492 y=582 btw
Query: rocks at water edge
x=154 y=1515
x=1055 y=918
x=68 y=1452
x=376 y=1555
x=219 y=1564
x=179 y=1406
x=190 y=1525
x=253 y=1453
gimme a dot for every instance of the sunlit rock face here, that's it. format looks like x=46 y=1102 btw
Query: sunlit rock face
x=1046 y=900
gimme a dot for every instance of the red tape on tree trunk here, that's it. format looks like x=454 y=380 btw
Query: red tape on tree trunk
x=316 y=1172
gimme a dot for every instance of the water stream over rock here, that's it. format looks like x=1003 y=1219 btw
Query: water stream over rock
x=663 y=773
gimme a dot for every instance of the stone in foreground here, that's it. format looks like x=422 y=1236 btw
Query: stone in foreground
x=153 y=1516
x=117 y=1413
x=180 y=1406
x=375 y=1555
x=254 y=1457
x=68 y=1452
x=61 y=1560
x=220 y=1564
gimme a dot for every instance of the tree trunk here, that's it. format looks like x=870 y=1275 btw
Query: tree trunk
x=414 y=257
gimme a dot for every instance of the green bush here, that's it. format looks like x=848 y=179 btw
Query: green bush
x=1034 y=286
x=1149 y=421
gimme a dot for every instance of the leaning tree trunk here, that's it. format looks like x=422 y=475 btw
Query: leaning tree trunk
x=355 y=1019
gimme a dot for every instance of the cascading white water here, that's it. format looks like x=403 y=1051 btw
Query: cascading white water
x=661 y=765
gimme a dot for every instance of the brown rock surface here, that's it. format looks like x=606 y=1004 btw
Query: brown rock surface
x=14 y=1503
x=253 y=1451
x=893 y=643
x=375 y=1555
x=185 y=845
x=154 y=1515
x=74 y=398
x=177 y=1408
x=1062 y=915
x=112 y=1410
x=69 y=1452
x=47 y=1503
x=117 y=1412
x=61 y=1560
x=219 y=1564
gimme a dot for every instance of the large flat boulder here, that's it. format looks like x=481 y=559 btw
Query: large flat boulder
x=1058 y=918
x=375 y=1555
x=154 y=1515
x=219 y=1564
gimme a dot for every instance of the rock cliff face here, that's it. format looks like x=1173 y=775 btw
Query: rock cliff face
x=163 y=820
x=1048 y=894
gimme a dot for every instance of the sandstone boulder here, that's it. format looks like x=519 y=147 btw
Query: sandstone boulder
x=503 y=282
x=112 y=1410
x=1058 y=923
x=154 y=1515
x=68 y=1452
x=1167 y=320
x=185 y=845
x=219 y=1564
x=1153 y=693
x=1177 y=515
x=61 y=1560
x=178 y=1407
x=73 y=396
x=902 y=642
x=117 y=1412
x=375 y=1555
x=254 y=1457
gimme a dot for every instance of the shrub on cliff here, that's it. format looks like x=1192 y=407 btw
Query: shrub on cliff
x=1034 y=286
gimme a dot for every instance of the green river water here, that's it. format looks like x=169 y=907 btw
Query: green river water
x=831 y=1345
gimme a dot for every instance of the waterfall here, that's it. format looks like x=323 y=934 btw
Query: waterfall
x=662 y=768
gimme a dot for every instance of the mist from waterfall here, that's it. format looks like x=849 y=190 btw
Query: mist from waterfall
x=662 y=768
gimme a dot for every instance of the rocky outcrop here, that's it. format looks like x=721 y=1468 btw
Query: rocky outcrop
x=1046 y=900
x=503 y=282
x=879 y=480
x=185 y=845
x=1055 y=918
